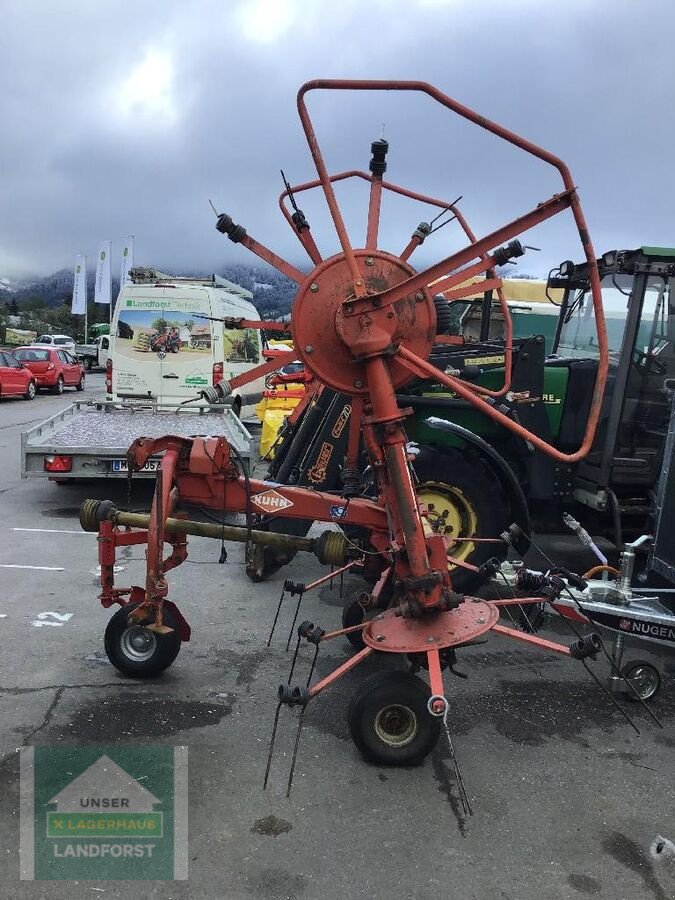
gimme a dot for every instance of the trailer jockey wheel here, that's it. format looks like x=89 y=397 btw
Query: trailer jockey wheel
x=137 y=651
x=643 y=677
x=389 y=721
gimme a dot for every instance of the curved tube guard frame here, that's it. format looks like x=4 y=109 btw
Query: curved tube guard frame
x=363 y=323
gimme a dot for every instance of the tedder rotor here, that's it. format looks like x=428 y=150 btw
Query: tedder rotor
x=364 y=322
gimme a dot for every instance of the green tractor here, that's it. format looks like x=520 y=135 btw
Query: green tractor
x=551 y=395
x=474 y=476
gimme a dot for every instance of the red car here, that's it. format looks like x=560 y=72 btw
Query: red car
x=15 y=379
x=53 y=369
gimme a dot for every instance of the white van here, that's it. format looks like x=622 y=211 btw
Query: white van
x=168 y=343
x=62 y=341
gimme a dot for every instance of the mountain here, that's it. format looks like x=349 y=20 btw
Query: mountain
x=273 y=293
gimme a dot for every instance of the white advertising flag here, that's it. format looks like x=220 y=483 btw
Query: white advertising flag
x=127 y=260
x=103 y=289
x=79 y=307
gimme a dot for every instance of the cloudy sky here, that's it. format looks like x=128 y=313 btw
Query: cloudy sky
x=127 y=117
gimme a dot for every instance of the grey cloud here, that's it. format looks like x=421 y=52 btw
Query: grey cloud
x=593 y=83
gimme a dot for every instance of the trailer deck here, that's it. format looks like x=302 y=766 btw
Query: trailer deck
x=96 y=436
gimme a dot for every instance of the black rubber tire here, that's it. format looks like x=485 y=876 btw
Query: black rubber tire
x=88 y=363
x=80 y=384
x=386 y=702
x=443 y=315
x=353 y=614
x=630 y=669
x=166 y=646
x=174 y=348
x=236 y=406
x=58 y=387
x=465 y=471
x=31 y=392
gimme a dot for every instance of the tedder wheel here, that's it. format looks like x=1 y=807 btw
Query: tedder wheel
x=354 y=614
x=464 y=498
x=644 y=677
x=389 y=721
x=137 y=651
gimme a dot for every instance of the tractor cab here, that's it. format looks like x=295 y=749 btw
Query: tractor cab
x=639 y=306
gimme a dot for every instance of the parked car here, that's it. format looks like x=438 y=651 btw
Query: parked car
x=15 y=379
x=53 y=369
x=56 y=340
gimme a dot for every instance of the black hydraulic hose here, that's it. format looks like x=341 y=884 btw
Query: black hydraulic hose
x=519 y=508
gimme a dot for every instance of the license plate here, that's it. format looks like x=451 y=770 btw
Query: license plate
x=121 y=465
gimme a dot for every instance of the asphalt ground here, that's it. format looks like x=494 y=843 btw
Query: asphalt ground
x=566 y=796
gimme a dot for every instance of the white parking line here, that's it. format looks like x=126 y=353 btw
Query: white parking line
x=41 y=568
x=52 y=531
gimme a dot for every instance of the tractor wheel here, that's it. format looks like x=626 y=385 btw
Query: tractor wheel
x=464 y=498
x=443 y=315
x=137 y=651
x=389 y=721
x=644 y=677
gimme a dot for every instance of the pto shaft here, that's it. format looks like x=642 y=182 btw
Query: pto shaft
x=330 y=547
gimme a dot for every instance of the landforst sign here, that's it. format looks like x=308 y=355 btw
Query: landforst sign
x=103 y=813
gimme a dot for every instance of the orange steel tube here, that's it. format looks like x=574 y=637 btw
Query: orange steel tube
x=417 y=282
x=334 y=574
x=265 y=253
x=160 y=510
x=374 y=212
x=400 y=492
x=542 y=643
x=352 y=628
x=419 y=365
x=498 y=131
x=415 y=242
x=263 y=369
x=435 y=674
x=340 y=671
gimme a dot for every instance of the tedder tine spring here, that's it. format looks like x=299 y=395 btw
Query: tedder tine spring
x=272 y=740
x=295 y=618
x=287 y=696
x=463 y=795
x=301 y=719
x=295 y=657
x=276 y=615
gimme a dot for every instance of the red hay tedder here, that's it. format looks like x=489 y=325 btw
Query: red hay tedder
x=363 y=323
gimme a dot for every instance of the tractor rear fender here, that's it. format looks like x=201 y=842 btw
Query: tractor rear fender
x=503 y=471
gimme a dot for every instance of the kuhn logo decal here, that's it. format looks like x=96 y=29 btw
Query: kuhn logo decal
x=271 y=501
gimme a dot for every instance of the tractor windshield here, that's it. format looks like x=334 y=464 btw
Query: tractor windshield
x=578 y=335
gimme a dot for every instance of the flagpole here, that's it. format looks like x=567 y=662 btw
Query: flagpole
x=110 y=308
x=86 y=323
